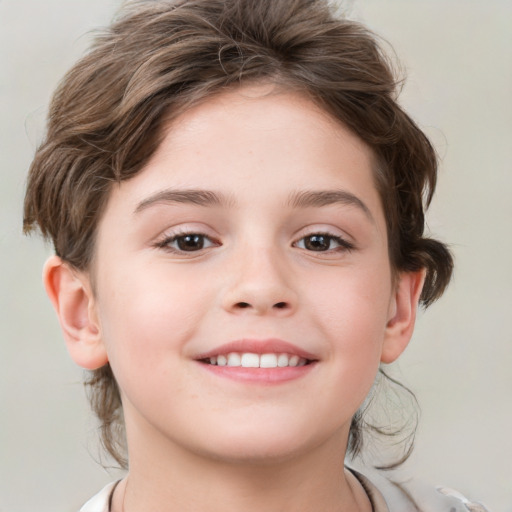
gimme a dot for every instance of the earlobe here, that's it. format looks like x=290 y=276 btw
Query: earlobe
x=402 y=316
x=71 y=295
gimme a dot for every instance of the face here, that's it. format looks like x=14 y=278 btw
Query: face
x=244 y=290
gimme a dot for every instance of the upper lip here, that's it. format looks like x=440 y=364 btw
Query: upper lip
x=266 y=346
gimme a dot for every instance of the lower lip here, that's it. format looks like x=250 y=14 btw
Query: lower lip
x=260 y=375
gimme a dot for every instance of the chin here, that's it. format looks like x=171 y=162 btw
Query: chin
x=259 y=445
x=255 y=455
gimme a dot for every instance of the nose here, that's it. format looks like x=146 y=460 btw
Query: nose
x=260 y=283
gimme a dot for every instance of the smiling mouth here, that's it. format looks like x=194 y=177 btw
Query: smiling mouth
x=252 y=360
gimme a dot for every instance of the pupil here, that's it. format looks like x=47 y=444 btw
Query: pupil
x=317 y=243
x=190 y=242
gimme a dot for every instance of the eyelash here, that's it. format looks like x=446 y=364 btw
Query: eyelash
x=166 y=242
x=343 y=245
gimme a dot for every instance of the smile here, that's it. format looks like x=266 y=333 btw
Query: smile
x=252 y=360
x=258 y=361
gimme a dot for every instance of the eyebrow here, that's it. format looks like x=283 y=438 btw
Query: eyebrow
x=319 y=198
x=197 y=197
x=300 y=199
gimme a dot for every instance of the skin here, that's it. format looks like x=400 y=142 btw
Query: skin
x=198 y=440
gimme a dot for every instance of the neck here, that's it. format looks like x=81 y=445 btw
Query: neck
x=177 y=480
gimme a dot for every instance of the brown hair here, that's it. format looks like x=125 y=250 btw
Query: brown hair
x=157 y=59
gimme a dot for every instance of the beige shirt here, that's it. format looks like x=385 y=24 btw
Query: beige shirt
x=384 y=495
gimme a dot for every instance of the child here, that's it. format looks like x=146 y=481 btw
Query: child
x=236 y=203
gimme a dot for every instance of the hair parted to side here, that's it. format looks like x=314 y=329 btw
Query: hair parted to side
x=159 y=58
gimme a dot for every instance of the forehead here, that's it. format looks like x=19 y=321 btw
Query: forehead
x=255 y=142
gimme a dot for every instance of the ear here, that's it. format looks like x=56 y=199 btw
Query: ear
x=402 y=314
x=71 y=295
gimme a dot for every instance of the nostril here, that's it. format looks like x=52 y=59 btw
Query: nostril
x=261 y=308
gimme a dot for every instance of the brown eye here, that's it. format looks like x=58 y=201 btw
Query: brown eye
x=317 y=242
x=190 y=242
x=323 y=242
x=187 y=242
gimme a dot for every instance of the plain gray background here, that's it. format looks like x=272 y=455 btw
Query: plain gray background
x=458 y=57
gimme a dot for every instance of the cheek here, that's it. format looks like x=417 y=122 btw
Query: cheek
x=352 y=313
x=143 y=315
x=355 y=299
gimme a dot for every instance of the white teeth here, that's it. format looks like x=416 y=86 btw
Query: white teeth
x=234 y=359
x=294 y=361
x=283 y=360
x=250 y=360
x=268 y=361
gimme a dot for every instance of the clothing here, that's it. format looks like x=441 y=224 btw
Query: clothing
x=384 y=495
x=101 y=501
x=388 y=496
